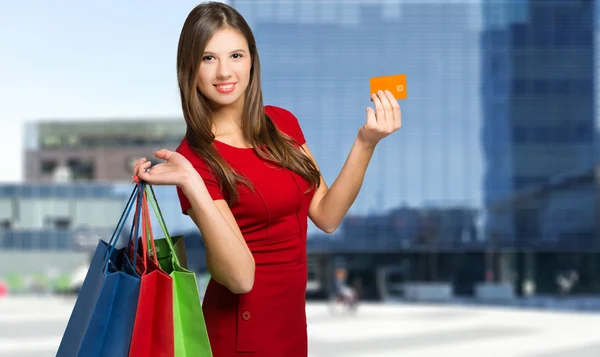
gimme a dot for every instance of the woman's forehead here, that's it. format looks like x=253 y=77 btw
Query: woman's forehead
x=226 y=41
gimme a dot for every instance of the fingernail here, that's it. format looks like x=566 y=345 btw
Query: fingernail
x=388 y=92
x=380 y=92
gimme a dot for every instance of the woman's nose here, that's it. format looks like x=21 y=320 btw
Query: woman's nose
x=224 y=70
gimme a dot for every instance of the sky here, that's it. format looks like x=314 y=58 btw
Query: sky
x=78 y=60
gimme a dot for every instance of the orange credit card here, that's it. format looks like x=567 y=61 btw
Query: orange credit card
x=396 y=84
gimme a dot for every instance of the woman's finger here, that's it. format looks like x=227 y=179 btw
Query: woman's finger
x=142 y=168
x=389 y=108
x=159 y=175
x=379 y=112
x=137 y=164
x=145 y=176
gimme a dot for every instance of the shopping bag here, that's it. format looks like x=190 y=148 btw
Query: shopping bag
x=163 y=252
x=191 y=336
x=101 y=322
x=153 y=328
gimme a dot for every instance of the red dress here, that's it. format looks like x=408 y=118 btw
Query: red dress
x=270 y=320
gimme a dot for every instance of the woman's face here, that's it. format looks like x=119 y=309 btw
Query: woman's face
x=224 y=71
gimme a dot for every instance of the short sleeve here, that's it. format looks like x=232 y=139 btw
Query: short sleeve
x=286 y=122
x=211 y=183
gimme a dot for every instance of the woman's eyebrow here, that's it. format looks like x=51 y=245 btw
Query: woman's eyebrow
x=212 y=53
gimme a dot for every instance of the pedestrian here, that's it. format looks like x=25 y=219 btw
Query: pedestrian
x=246 y=177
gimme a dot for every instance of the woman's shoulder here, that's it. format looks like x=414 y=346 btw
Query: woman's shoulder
x=279 y=115
x=285 y=121
x=186 y=151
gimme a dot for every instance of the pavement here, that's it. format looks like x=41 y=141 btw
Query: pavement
x=33 y=326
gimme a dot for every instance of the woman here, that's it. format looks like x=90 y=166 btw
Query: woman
x=247 y=178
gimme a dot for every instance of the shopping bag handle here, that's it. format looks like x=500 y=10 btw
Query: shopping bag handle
x=133 y=234
x=148 y=236
x=111 y=246
x=137 y=226
x=124 y=215
x=141 y=226
x=161 y=220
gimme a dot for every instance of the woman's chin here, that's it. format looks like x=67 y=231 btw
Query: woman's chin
x=222 y=101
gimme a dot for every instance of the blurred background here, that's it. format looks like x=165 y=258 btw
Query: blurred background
x=486 y=199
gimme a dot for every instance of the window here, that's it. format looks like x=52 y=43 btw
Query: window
x=45 y=241
x=519 y=36
x=5 y=224
x=27 y=191
x=51 y=141
x=27 y=241
x=562 y=23
x=523 y=182
x=561 y=87
x=63 y=242
x=581 y=87
x=8 y=241
x=572 y=132
x=543 y=36
x=81 y=169
x=62 y=223
x=519 y=86
x=45 y=191
x=542 y=86
x=47 y=166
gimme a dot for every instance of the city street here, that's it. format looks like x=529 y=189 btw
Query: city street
x=32 y=327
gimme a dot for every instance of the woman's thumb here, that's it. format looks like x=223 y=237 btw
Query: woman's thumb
x=163 y=154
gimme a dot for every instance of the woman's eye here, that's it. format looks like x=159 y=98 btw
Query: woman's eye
x=206 y=58
x=238 y=55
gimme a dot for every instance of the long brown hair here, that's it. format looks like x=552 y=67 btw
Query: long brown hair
x=270 y=144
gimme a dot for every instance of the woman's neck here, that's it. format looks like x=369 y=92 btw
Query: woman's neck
x=228 y=119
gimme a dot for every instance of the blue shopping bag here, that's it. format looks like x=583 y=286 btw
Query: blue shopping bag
x=102 y=319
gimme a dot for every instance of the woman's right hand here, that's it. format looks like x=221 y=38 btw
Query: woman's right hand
x=177 y=170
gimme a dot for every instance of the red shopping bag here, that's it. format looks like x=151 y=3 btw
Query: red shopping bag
x=153 y=334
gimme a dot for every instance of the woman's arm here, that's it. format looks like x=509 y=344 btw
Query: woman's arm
x=228 y=257
x=330 y=205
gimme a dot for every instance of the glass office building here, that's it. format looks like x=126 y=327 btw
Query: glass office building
x=317 y=58
x=539 y=135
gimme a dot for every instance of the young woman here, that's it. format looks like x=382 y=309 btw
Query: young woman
x=246 y=177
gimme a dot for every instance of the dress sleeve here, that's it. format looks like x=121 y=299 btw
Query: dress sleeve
x=286 y=122
x=211 y=183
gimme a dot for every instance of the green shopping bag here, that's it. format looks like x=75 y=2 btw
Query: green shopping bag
x=191 y=337
x=164 y=252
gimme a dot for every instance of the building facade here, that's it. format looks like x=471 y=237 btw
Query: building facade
x=49 y=220
x=94 y=151
x=317 y=58
x=539 y=127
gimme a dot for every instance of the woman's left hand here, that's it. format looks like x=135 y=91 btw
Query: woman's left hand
x=381 y=122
